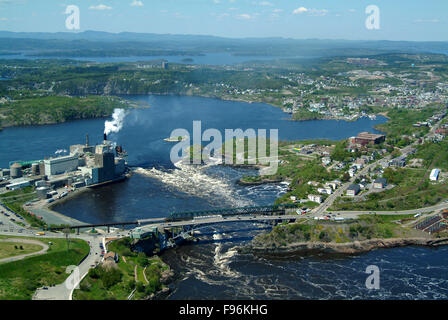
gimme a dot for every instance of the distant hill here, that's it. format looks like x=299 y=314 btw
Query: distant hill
x=97 y=43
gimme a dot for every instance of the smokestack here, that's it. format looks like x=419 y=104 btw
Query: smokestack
x=105 y=137
x=87 y=140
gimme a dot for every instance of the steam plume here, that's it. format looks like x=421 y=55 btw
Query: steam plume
x=117 y=122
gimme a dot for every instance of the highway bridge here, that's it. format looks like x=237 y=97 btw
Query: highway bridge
x=191 y=220
x=225 y=212
x=169 y=232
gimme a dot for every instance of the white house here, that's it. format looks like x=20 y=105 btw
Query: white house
x=315 y=198
x=434 y=175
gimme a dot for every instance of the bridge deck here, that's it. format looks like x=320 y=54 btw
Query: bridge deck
x=219 y=220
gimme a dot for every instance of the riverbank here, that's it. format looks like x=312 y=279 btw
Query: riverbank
x=352 y=248
x=130 y=275
x=51 y=110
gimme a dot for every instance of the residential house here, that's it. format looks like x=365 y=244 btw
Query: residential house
x=315 y=198
x=353 y=190
x=111 y=256
x=380 y=183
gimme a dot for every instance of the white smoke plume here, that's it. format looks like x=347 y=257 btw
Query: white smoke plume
x=117 y=122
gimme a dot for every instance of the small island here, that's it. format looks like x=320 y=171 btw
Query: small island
x=176 y=139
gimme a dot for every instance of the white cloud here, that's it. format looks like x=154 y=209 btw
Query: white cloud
x=100 y=7
x=300 y=10
x=311 y=12
x=244 y=16
x=318 y=12
x=137 y=3
x=265 y=4
x=277 y=10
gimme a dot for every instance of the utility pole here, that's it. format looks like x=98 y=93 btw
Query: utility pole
x=67 y=232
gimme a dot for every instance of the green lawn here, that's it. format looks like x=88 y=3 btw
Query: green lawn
x=12 y=249
x=20 y=279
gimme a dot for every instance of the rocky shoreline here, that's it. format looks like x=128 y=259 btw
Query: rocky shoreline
x=258 y=183
x=351 y=248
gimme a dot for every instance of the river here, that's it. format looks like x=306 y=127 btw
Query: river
x=212 y=269
x=217 y=59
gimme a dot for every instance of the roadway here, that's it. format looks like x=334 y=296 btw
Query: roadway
x=223 y=219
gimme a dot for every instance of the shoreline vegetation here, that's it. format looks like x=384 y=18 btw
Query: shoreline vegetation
x=350 y=237
x=351 y=248
x=59 y=109
x=134 y=276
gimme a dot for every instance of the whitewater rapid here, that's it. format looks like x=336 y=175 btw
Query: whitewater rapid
x=193 y=180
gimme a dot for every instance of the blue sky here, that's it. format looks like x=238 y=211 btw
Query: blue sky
x=325 y=19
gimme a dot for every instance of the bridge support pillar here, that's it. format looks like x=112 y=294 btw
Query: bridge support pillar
x=108 y=229
x=77 y=231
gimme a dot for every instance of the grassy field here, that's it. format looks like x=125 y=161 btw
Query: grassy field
x=20 y=279
x=401 y=122
x=12 y=249
x=117 y=282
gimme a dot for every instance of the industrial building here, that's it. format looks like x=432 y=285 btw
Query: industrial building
x=16 y=184
x=365 y=138
x=86 y=165
x=61 y=165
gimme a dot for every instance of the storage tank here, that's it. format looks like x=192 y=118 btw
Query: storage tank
x=16 y=171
